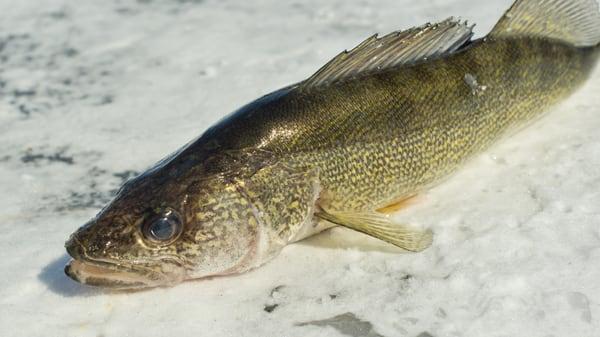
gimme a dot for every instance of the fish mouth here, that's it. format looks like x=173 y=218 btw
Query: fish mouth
x=114 y=274
x=98 y=275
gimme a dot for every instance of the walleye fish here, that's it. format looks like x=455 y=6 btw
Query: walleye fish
x=372 y=128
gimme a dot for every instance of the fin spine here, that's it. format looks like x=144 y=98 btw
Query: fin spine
x=376 y=54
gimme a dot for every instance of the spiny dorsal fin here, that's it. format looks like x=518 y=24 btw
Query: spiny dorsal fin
x=573 y=21
x=397 y=48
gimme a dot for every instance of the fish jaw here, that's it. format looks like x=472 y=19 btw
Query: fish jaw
x=116 y=275
x=103 y=276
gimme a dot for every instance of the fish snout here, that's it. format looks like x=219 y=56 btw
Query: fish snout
x=74 y=247
x=115 y=274
x=75 y=250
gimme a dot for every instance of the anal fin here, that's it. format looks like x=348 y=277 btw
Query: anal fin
x=381 y=227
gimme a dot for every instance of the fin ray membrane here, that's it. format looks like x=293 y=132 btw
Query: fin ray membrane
x=382 y=228
x=573 y=21
x=394 y=49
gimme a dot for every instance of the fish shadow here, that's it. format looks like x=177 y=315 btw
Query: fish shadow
x=53 y=276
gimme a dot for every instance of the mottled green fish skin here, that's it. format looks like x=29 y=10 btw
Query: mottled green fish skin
x=379 y=137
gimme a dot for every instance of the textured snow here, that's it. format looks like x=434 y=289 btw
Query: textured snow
x=92 y=92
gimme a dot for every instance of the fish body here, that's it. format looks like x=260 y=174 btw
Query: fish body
x=394 y=133
x=375 y=126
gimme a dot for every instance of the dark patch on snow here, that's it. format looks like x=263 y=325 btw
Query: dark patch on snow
x=270 y=307
x=105 y=100
x=38 y=74
x=126 y=11
x=58 y=15
x=70 y=52
x=59 y=156
x=82 y=200
x=271 y=304
x=424 y=334
x=21 y=93
x=97 y=197
x=24 y=110
x=91 y=197
x=276 y=289
x=97 y=188
x=347 y=324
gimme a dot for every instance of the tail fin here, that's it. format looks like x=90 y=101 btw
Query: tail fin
x=573 y=21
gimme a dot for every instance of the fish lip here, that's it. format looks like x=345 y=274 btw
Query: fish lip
x=127 y=279
x=112 y=274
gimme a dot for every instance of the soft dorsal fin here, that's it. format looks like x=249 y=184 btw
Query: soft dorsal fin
x=574 y=21
x=397 y=48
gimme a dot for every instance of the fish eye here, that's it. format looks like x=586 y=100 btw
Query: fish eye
x=163 y=228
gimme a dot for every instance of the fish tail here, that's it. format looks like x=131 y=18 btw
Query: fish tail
x=576 y=22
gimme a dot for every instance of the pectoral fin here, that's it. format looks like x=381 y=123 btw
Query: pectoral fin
x=381 y=227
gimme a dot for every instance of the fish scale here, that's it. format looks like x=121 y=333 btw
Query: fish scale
x=441 y=123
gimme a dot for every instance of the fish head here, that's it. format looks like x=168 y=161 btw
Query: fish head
x=159 y=232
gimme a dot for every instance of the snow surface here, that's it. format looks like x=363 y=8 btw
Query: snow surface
x=92 y=92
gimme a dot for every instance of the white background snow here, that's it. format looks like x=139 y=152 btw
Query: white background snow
x=92 y=92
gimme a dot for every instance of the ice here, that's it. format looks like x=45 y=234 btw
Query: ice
x=92 y=92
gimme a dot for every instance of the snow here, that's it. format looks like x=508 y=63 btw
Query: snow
x=93 y=91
